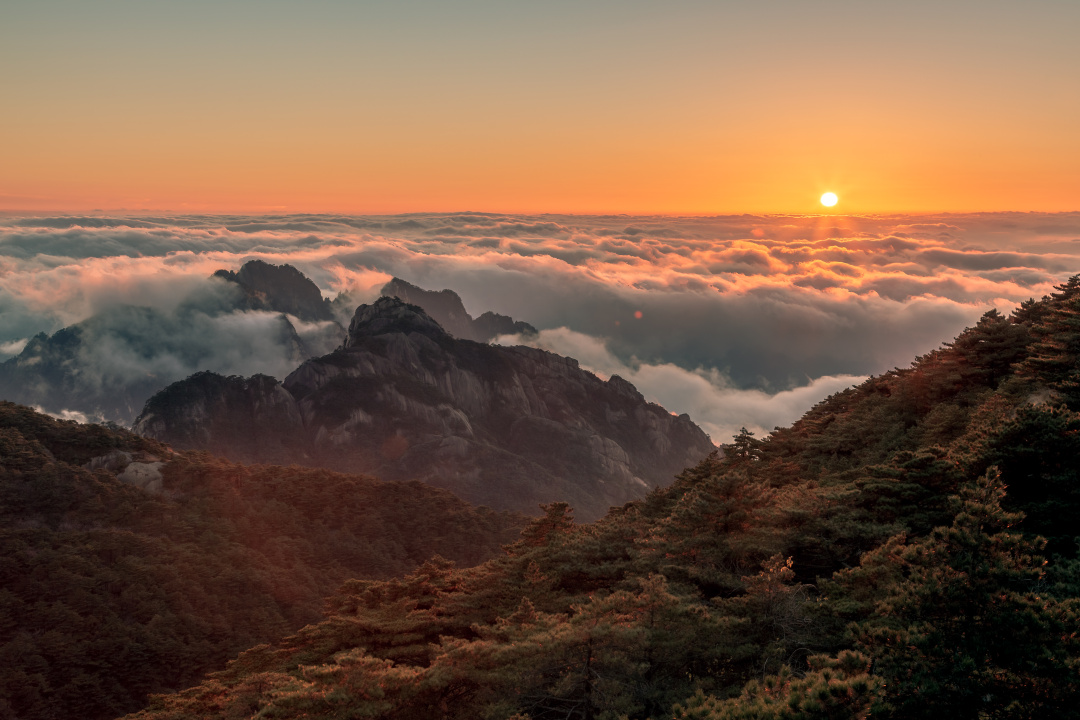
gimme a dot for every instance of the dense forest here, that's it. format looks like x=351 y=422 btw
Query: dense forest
x=905 y=550
x=110 y=591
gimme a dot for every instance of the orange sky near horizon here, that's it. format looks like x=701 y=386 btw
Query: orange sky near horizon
x=597 y=107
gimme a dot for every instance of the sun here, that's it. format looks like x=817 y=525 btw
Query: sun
x=829 y=199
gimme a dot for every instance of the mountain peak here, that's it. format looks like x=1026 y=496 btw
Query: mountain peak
x=446 y=308
x=391 y=315
x=280 y=288
x=507 y=427
x=625 y=387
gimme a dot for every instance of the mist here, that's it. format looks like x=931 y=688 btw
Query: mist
x=738 y=320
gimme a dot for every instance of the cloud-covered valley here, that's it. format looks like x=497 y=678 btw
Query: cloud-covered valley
x=741 y=320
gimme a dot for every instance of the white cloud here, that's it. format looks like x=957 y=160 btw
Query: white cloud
x=12 y=348
x=707 y=395
x=769 y=302
x=129 y=344
x=65 y=414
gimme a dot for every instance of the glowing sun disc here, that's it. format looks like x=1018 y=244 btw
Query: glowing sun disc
x=829 y=199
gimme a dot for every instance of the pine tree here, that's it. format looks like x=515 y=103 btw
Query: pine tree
x=1056 y=350
x=626 y=653
x=965 y=627
x=985 y=353
x=833 y=689
x=1036 y=448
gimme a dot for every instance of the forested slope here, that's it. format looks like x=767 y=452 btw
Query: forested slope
x=114 y=584
x=883 y=557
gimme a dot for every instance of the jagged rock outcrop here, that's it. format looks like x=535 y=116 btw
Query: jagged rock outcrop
x=217 y=413
x=279 y=288
x=446 y=308
x=107 y=366
x=509 y=427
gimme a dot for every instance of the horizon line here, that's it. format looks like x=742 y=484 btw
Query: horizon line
x=139 y=212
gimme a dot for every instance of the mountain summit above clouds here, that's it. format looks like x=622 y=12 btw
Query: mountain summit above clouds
x=446 y=308
x=508 y=427
x=279 y=288
x=262 y=319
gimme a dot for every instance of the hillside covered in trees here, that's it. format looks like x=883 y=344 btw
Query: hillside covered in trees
x=126 y=569
x=905 y=550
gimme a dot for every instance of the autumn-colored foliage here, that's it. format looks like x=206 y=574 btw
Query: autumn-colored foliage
x=905 y=550
x=109 y=592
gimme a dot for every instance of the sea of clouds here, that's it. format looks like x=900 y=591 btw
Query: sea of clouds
x=737 y=320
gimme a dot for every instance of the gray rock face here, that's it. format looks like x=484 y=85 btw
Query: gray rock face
x=508 y=427
x=144 y=475
x=446 y=308
x=279 y=288
x=108 y=365
x=253 y=419
x=139 y=469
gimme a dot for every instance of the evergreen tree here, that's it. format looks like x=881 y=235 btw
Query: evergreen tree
x=1036 y=449
x=986 y=353
x=1054 y=354
x=962 y=624
x=833 y=689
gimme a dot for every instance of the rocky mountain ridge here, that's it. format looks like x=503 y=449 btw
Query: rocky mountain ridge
x=105 y=367
x=447 y=309
x=509 y=427
x=279 y=288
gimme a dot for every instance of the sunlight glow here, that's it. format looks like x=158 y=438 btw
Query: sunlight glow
x=829 y=199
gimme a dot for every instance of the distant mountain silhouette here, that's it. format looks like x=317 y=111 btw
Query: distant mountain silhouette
x=509 y=427
x=108 y=365
x=279 y=288
x=446 y=308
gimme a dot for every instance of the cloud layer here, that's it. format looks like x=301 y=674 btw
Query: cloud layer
x=707 y=395
x=782 y=306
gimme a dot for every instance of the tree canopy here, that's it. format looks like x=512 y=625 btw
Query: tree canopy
x=905 y=550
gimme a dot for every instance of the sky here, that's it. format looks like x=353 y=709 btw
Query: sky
x=743 y=320
x=681 y=107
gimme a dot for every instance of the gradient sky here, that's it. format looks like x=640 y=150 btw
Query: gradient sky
x=581 y=107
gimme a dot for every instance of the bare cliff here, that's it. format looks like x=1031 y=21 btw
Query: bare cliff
x=447 y=309
x=508 y=427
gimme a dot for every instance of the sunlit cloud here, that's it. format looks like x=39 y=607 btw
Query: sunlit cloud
x=769 y=312
x=707 y=395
